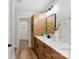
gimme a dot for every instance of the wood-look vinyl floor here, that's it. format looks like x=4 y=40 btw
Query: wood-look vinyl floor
x=25 y=53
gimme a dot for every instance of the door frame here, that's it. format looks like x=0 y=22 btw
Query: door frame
x=28 y=27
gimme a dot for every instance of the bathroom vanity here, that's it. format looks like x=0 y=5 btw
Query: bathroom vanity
x=46 y=48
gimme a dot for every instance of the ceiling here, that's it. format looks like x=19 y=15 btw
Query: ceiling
x=32 y=5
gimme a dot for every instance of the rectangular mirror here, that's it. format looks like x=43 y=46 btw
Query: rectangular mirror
x=51 y=23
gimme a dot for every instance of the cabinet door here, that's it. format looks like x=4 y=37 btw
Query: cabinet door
x=56 y=55
x=46 y=51
x=39 y=25
x=46 y=48
x=40 y=50
x=47 y=56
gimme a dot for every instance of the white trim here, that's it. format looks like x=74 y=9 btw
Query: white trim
x=13 y=28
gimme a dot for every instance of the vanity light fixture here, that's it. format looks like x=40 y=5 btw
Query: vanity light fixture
x=49 y=8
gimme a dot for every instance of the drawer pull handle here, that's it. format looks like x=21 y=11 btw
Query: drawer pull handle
x=44 y=46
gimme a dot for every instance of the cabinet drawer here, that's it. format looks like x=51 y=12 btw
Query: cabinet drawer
x=56 y=55
x=47 y=56
x=38 y=41
x=42 y=46
x=46 y=48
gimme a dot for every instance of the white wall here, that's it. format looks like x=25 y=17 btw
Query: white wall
x=62 y=8
x=33 y=5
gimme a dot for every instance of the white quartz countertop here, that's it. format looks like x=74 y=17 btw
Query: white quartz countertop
x=61 y=47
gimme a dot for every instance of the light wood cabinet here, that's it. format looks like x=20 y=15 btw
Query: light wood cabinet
x=38 y=26
x=43 y=51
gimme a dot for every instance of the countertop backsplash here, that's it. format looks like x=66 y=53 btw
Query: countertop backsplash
x=65 y=30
